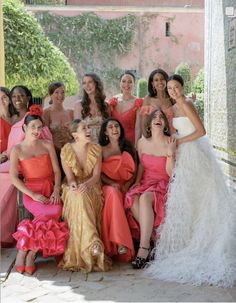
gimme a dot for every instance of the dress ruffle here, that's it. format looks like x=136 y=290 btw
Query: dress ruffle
x=48 y=237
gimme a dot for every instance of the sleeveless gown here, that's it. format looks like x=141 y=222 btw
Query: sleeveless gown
x=115 y=228
x=44 y=233
x=5 y=128
x=154 y=179
x=197 y=240
x=127 y=118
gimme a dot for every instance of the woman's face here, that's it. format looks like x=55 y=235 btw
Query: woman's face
x=113 y=130
x=127 y=84
x=83 y=132
x=159 y=82
x=19 y=99
x=89 y=85
x=175 y=89
x=4 y=100
x=58 y=95
x=33 y=129
x=158 y=122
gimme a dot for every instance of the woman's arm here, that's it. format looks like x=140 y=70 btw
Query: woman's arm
x=170 y=155
x=96 y=173
x=138 y=127
x=46 y=117
x=192 y=114
x=17 y=182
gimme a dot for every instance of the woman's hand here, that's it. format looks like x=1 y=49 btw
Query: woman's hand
x=82 y=188
x=73 y=186
x=3 y=157
x=40 y=198
x=55 y=197
x=171 y=146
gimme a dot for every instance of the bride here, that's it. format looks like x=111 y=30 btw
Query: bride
x=197 y=240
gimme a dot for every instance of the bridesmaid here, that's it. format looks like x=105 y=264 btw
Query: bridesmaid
x=36 y=160
x=82 y=198
x=125 y=107
x=118 y=174
x=92 y=108
x=145 y=201
x=56 y=117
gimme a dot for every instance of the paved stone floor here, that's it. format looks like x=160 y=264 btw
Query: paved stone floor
x=122 y=284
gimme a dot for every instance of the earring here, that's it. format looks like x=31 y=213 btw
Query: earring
x=106 y=138
x=166 y=129
x=148 y=130
x=154 y=89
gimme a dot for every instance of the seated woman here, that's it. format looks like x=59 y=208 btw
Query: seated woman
x=36 y=160
x=118 y=174
x=82 y=198
x=145 y=202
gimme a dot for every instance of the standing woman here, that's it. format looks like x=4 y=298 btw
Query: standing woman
x=197 y=240
x=145 y=201
x=92 y=108
x=118 y=174
x=82 y=199
x=56 y=117
x=157 y=97
x=36 y=160
x=125 y=107
x=7 y=111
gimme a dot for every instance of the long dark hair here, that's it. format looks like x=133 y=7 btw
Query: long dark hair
x=27 y=93
x=177 y=78
x=151 y=91
x=99 y=97
x=124 y=144
x=128 y=72
x=11 y=108
x=147 y=131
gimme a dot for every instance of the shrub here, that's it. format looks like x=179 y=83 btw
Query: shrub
x=198 y=88
x=183 y=69
x=142 y=88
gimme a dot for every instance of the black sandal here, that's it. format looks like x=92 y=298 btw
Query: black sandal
x=140 y=262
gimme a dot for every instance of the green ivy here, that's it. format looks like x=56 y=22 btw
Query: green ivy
x=90 y=42
x=30 y=58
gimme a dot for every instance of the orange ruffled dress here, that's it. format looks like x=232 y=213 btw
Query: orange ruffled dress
x=156 y=180
x=44 y=233
x=115 y=228
x=127 y=118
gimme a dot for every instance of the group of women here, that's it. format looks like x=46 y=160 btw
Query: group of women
x=136 y=171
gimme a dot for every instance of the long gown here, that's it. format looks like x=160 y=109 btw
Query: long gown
x=44 y=233
x=82 y=211
x=156 y=180
x=127 y=118
x=5 y=129
x=8 y=193
x=197 y=240
x=115 y=228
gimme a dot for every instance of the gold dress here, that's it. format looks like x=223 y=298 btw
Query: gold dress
x=82 y=211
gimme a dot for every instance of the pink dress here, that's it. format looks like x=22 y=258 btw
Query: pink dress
x=44 y=233
x=127 y=118
x=147 y=109
x=115 y=228
x=8 y=193
x=5 y=128
x=154 y=179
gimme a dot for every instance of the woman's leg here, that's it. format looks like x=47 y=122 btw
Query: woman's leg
x=135 y=208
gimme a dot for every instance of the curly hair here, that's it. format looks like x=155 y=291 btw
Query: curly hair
x=124 y=144
x=147 y=132
x=99 y=97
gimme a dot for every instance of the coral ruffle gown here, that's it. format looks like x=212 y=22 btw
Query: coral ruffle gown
x=8 y=193
x=44 y=233
x=115 y=228
x=127 y=118
x=83 y=211
x=156 y=180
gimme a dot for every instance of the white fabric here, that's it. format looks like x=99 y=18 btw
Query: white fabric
x=197 y=240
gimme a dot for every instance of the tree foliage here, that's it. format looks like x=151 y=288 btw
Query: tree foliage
x=142 y=88
x=198 y=88
x=31 y=59
x=183 y=69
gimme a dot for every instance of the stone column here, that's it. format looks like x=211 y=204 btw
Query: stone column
x=2 y=63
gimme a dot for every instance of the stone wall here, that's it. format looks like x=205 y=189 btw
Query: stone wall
x=220 y=84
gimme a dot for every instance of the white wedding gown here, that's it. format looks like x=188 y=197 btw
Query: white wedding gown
x=197 y=240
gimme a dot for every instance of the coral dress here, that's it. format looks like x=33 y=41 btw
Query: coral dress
x=127 y=118
x=156 y=180
x=83 y=211
x=115 y=228
x=147 y=109
x=44 y=233
x=8 y=193
x=5 y=128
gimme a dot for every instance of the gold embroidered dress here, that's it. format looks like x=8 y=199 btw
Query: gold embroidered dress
x=82 y=211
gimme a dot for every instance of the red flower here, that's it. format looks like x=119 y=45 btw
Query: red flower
x=35 y=110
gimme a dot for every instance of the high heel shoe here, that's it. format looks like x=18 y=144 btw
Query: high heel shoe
x=96 y=250
x=20 y=268
x=140 y=262
x=30 y=269
x=122 y=250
